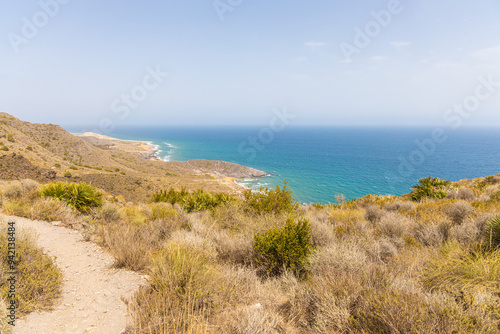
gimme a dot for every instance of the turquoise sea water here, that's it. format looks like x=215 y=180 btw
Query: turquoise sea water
x=319 y=163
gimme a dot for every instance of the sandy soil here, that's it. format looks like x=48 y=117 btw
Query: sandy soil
x=141 y=148
x=93 y=292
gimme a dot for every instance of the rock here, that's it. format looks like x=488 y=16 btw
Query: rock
x=222 y=168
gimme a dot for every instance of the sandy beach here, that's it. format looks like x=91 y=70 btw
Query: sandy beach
x=143 y=149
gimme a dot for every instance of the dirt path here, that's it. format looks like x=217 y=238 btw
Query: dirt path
x=92 y=291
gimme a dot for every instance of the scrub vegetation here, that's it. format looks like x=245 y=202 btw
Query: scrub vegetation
x=425 y=262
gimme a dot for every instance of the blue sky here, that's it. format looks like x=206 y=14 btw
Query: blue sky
x=235 y=63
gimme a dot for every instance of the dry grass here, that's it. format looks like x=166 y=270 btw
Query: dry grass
x=186 y=291
x=50 y=209
x=12 y=190
x=461 y=270
x=380 y=264
x=458 y=211
x=39 y=280
x=373 y=213
x=395 y=225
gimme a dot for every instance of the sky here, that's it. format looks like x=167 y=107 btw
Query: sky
x=110 y=64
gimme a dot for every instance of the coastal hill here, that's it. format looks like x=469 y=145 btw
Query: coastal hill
x=48 y=152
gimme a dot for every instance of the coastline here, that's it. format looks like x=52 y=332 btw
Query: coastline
x=144 y=149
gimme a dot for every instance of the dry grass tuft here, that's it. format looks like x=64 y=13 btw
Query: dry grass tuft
x=373 y=213
x=342 y=255
x=110 y=213
x=39 y=280
x=394 y=225
x=400 y=206
x=130 y=245
x=12 y=190
x=50 y=209
x=458 y=211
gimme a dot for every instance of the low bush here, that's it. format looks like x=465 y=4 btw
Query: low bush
x=80 y=196
x=265 y=200
x=281 y=249
x=429 y=188
x=202 y=200
x=172 y=196
x=192 y=201
x=162 y=211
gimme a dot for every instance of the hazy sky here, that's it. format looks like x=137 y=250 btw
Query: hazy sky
x=329 y=62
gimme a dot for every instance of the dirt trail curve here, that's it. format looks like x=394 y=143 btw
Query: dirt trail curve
x=92 y=291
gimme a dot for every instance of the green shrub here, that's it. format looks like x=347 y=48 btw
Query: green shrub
x=429 y=187
x=80 y=196
x=57 y=165
x=10 y=138
x=287 y=248
x=269 y=200
x=318 y=206
x=162 y=211
x=492 y=233
x=172 y=196
x=194 y=201
x=202 y=200
x=73 y=168
x=68 y=175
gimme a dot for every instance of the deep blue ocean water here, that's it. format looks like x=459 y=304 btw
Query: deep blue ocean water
x=319 y=163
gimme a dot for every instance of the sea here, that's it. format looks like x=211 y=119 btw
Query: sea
x=319 y=163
